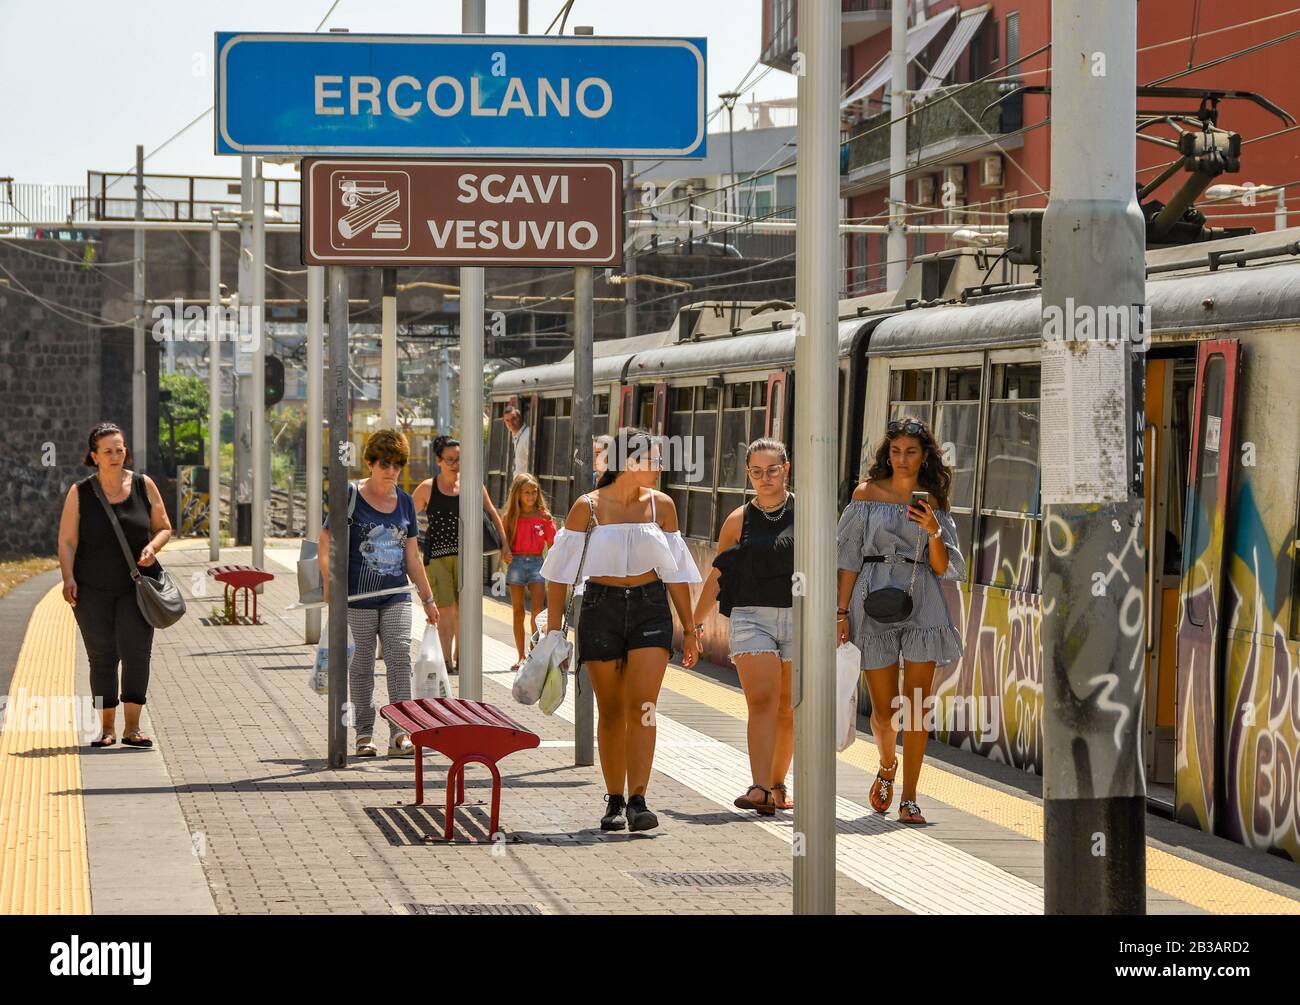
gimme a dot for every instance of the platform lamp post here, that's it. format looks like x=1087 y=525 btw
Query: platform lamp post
x=729 y=99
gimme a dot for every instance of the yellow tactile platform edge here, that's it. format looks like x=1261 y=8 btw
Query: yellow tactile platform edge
x=44 y=868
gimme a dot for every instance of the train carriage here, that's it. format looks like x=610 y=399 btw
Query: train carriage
x=1221 y=450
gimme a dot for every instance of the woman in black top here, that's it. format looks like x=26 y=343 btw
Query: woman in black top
x=752 y=582
x=439 y=499
x=97 y=580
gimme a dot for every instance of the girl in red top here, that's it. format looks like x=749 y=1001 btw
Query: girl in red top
x=530 y=530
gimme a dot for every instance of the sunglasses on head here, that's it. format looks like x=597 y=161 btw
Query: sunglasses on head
x=908 y=427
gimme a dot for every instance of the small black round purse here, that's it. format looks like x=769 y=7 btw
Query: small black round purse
x=891 y=605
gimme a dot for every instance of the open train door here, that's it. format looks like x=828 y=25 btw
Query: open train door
x=1201 y=593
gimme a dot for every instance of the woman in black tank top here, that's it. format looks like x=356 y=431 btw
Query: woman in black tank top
x=752 y=583
x=97 y=580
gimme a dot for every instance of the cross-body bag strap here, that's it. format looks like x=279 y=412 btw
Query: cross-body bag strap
x=582 y=561
x=117 y=527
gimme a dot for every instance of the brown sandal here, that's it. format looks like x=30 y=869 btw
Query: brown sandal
x=107 y=740
x=764 y=807
x=882 y=789
x=136 y=739
x=785 y=802
x=909 y=812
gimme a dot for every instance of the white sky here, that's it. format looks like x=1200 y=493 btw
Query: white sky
x=83 y=81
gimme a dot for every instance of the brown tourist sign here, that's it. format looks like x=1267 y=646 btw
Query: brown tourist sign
x=388 y=211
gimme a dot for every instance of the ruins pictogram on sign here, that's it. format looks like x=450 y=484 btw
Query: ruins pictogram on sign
x=370 y=210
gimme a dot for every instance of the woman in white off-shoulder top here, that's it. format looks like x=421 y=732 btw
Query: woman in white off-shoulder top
x=635 y=561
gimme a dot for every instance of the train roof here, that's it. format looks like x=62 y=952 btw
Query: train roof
x=1188 y=289
x=1264 y=290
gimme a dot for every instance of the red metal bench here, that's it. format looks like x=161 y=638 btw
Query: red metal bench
x=240 y=577
x=468 y=732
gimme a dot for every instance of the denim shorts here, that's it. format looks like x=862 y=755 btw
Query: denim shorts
x=762 y=630
x=614 y=620
x=524 y=569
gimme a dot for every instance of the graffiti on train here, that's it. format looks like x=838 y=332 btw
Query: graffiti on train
x=1002 y=667
x=1261 y=717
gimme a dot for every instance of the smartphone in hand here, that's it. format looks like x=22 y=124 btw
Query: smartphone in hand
x=920 y=501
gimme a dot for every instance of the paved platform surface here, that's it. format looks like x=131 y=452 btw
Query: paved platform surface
x=236 y=812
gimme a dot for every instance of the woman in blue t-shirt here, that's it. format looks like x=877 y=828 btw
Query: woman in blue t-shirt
x=383 y=551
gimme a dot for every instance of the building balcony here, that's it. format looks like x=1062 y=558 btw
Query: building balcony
x=859 y=20
x=938 y=132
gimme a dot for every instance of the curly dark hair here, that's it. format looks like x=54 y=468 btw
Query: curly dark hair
x=935 y=476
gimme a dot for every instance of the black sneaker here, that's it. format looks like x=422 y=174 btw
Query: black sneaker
x=639 y=817
x=613 y=820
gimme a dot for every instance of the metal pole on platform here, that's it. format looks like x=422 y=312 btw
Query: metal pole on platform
x=214 y=390
x=584 y=717
x=242 y=474
x=315 y=398
x=257 y=390
x=340 y=452
x=470 y=632
x=814 y=442
x=896 y=242
x=388 y=351
x=1094 y=792
x=139 y=384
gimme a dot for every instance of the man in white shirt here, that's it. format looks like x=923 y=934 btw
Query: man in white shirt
x=520 y=435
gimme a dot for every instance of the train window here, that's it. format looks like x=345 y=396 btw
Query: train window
x=742 y=423
x=956 y=428
x=690 y=457
x=961 y=383
x=1008 y=553
x=553 y=453
x=911 y=393
x=498 y=461
x=1207 y=461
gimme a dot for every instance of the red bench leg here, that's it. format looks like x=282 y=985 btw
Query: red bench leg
x=451 y=794
x=419 y=777
x=496 y=797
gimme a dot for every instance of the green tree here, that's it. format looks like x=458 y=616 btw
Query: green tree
x=183 y=415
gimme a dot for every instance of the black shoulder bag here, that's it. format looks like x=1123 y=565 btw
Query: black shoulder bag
x=892 y=605
x=160 y=599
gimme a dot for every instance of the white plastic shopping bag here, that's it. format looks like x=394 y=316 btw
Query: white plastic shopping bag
x=319 y=681
x=554 y=648
x=431 y=679
x=554 y=687
x=848 y=671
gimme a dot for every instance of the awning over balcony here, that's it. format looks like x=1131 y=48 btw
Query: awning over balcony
x=967 y=25
x=918 y=37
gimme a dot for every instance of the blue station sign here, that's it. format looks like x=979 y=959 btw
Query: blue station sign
x=466 y=95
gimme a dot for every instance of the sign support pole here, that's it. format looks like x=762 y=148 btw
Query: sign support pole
x=242 y=475
x=315 y=397
x=388 y=351
x=340 y=450
x=139 y=379
x=473 y=17
x=257 y=392
x=214 y=390
x=1094 y=256
x=584 y=718
x=816 y=290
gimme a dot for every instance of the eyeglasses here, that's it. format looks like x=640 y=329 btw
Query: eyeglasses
x=387 y=465
x=908 y=428
x=453 y=461
x=774 y=471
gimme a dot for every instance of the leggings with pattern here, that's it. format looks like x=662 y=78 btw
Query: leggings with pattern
x=392 y=624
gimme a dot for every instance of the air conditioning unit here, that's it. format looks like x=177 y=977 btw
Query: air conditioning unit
x=991 y=171
x=954 y=181
x=925 y=190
